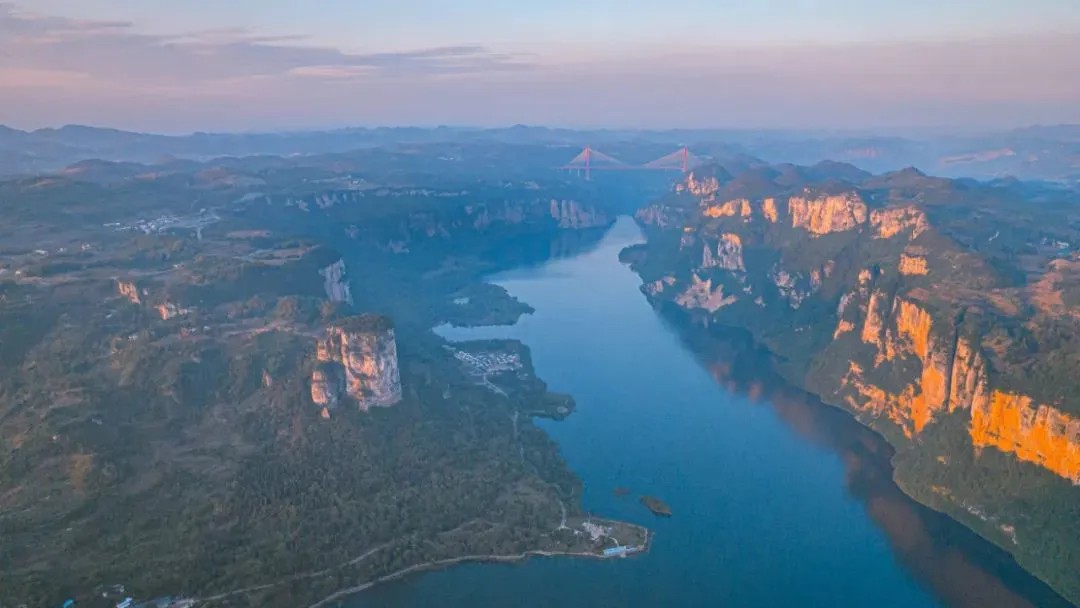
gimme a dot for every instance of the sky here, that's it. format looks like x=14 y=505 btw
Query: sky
x=259 y=65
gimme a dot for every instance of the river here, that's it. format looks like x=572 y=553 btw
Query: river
x=778 y=500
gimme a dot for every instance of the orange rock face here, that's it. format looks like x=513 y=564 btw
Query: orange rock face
x=900 y=331
x=957 y=379
x=731 y=208
x=913 y=265
x=700 y=294
x=891 y=222
x=360 y=363
x=768 y=209
x=968 y=386
x=874 y=324
x=129 y=290
x=703 y=187
x=842 y=328
x=1037 y=434
x=827 y=214
x=911 y=410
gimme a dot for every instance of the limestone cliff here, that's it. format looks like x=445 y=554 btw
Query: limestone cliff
x=701 y=186
x=890 y=222
x=740 y=207
x=129 y=290
x=357 y=359
x=700 y=294
x=825 y=214
x=169 y=310
x=953 y=376
x=768 y=209
x=968 y=382
x=726 y=254
x=912 y=265
x=336 y=283
x=444 y=214
x=574 y=215
x=904 y=362
x=901 y=329
x=1039 y=434
x=891 y=299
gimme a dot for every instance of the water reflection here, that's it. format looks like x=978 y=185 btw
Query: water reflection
x=959 y=567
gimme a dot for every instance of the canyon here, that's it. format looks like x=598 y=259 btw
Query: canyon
x=265 y=368
x=927 y=337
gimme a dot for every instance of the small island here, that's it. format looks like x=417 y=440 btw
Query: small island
x=621 y=491
x=657 y=506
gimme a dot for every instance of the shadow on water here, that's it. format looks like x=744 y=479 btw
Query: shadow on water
x=961 y=568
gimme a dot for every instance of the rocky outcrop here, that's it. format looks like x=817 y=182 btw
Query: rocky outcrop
x=357 y=359
x=826 y=214
x=904 y=362
x=336 y=283
x=658 y=286
x=874 y=322
x=727 y=254
x=660 y=216
x=787 y=285
x=912 y=265
x=843 y=327
x=1038 y=434
x=572 y=214
x=169 y=310
x=953 y=376
x=890 y=222
x=129 y=290
x=968 y=384
x=898 y=330
x=702 y=187
x=768 y=209
x=956 y=349
x=740 y=207
x=700 y=294
x=327 y=385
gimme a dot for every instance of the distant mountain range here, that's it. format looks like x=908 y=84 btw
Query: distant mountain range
x=1032 y=153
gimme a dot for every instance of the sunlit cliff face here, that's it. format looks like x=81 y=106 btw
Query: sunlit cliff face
x=359 y=364
x=903 y=331
x=955 y=378
x=823 y=215
x=1034 y=433
x=907 y=364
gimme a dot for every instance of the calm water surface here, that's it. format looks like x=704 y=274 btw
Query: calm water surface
x=778 y=500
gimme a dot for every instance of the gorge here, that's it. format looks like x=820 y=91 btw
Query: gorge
x=777 y=498
x=237 y=358
x=873 y=294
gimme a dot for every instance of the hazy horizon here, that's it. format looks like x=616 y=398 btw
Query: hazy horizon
x=280 y=65
x=868 y=131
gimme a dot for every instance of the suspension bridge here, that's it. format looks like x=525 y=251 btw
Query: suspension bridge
x=589 y=160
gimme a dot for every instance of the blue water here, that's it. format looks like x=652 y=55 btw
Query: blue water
x=759 y=477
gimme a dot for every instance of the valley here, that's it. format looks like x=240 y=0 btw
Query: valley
x=925 y=307
x=238 y=382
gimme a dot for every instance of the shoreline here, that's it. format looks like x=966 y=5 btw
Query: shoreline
x=902 y=484
x=491 y=558
x=432 y=565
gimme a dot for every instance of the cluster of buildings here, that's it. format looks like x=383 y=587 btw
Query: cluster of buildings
x=484 y=363
x=165 y=222
x=597 y=532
